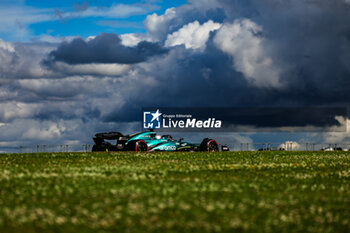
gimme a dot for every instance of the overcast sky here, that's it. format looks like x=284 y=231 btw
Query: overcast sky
x=69 y=69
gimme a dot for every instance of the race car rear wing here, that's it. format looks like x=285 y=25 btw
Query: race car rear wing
x=100 y=137
x=109 y=135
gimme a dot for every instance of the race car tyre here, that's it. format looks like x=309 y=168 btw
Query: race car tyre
x=137 y=145
x=209 y=145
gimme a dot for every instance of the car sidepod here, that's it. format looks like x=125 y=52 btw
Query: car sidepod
x=165 y=146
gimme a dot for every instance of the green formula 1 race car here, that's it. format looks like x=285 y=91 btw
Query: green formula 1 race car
x=150 y=141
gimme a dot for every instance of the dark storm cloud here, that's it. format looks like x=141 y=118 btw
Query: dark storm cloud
x=195 y=80
x=105 y=48
x=306 y=41
x=311 y=38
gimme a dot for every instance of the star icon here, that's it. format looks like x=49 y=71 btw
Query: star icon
x=156 y=115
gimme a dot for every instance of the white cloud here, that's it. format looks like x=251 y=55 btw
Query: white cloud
x=290 y=145
x=6 y=46
x=241 y=41
x=6 y=94
x=12 y=15
x=115 y=11
x=55 y=39
x=11 y=110
x=204 y=4
x=93 y=69
x=63 y=89
x=192 y=35
x=132 y=39
x=50 y=131
x=157 y=25
x=338 y=137
x=14 y=20
x=7 y=58
x=23 y=60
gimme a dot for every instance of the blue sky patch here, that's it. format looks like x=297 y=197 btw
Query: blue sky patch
x=25 y=20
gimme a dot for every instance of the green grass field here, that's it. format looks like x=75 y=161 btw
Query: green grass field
x=175 y=192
